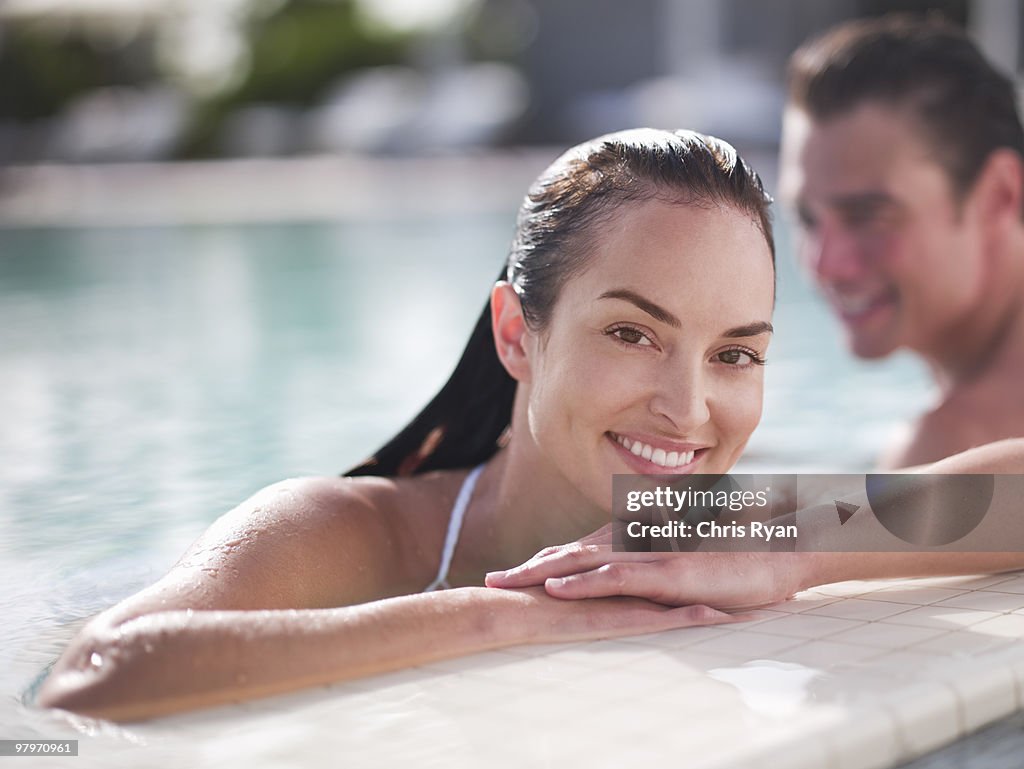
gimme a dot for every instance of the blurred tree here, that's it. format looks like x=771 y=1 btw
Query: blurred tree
x=295 y=50
x=296 y=53
x=299 y=51
x=46 y=65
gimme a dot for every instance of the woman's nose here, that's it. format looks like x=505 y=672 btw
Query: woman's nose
x=681 y=398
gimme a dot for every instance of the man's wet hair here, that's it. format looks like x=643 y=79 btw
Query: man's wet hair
x=929 y=67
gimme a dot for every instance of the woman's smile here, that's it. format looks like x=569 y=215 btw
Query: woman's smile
x=650 y=455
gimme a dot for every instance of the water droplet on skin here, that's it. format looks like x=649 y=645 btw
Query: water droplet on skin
x=96 y=660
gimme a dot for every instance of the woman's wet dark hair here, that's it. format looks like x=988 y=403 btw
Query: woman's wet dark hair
x=560 y=216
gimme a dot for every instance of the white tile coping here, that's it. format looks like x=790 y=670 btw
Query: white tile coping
x=848 y=681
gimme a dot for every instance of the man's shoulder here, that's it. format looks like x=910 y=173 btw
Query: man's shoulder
x=959 y=423
x=929 y=439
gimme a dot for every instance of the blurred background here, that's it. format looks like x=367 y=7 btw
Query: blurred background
x=245 y=239
x=242 y=240
x=92 y=82
x=146 y=80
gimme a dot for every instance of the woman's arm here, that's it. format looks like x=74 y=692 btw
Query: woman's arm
x=245 y=613
x=302 y=544
x=171 y=661
x=589 y=567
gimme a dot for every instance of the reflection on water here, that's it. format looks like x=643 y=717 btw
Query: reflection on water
x=154 y=377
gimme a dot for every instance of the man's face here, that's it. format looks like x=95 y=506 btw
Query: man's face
x=896 y=255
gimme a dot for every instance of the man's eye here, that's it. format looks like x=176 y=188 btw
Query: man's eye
x=805 y=218
x=860 y=218
x=870 y=215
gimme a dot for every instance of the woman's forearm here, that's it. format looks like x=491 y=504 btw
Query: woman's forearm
x=170 y=661
x=178 y=660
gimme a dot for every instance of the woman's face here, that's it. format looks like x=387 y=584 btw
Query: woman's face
x=651 y=362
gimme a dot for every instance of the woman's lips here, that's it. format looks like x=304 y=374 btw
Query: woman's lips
x=657 y=456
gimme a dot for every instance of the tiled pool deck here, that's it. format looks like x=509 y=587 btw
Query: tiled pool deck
x=857 y=675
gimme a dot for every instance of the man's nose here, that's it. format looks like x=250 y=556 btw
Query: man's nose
x=832 y=254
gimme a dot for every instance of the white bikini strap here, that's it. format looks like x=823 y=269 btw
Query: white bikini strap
x=451 y=538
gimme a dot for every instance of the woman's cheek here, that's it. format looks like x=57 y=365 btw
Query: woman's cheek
x=739 y=412
x=749 y=416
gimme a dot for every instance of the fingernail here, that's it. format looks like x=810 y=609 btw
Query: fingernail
x=494 y=576
x=555 y=581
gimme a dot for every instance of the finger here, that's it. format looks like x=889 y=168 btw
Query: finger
x=702 y=614
x=549 y=562
x=601 y=539
x=642 y=579
x=569 y=559
x=657 y=619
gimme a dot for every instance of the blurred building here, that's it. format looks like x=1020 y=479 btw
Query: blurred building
x=108 y=80
x=715 y=65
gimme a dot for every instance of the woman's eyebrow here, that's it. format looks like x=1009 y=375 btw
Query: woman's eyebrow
x=654 y=310
x=658 y=312
x=751 y=329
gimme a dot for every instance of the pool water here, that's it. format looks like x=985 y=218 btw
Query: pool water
x=154 y=377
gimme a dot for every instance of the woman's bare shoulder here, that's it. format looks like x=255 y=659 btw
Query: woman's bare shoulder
x=305 y=543
x=343 y=504
x=329 y=495
x=341 y=540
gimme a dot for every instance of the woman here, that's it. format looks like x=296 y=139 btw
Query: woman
x=628 y=337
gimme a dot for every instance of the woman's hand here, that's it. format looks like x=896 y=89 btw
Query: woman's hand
x=539 y=618
x=589 y=568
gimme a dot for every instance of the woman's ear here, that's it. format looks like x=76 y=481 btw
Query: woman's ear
x=510 y=331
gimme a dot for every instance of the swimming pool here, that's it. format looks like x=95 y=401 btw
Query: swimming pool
x=155 y=376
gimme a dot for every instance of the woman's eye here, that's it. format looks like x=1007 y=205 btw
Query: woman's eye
x=737 y=357
x=631 y=336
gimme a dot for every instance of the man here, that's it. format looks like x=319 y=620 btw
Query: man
x=903 y=154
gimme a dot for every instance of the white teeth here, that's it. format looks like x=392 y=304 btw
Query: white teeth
x=657 y=456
